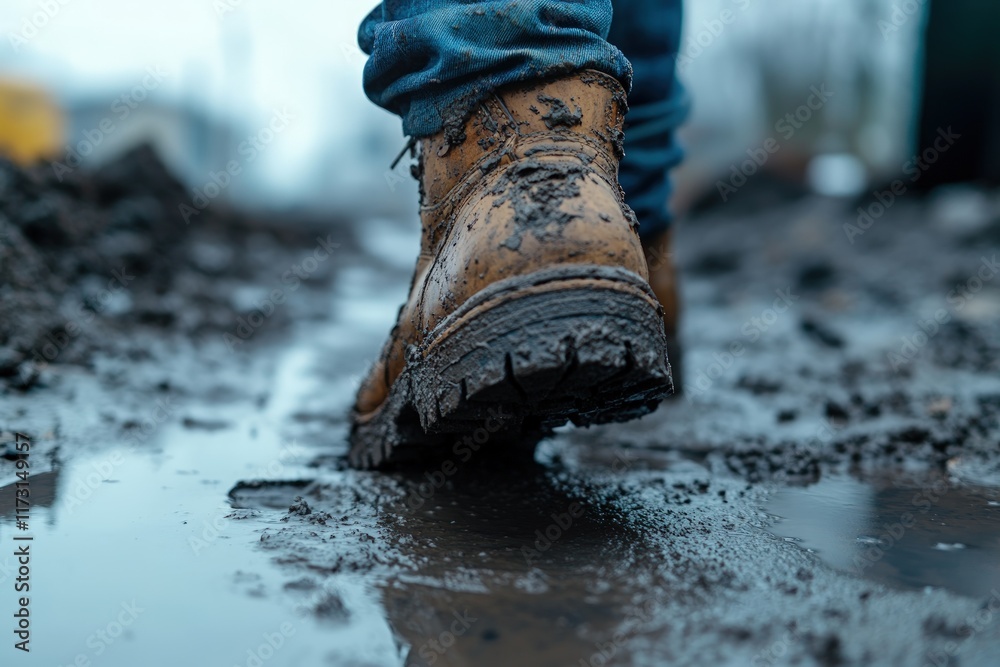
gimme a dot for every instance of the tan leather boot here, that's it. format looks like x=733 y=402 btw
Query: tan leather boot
x=530 y=304
x=663 y=280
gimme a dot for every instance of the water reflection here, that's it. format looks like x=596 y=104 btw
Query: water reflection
x=486 y=545
x=43 y=489
x=909 y=532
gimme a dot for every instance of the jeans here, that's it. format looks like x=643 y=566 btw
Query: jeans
x=431 y=57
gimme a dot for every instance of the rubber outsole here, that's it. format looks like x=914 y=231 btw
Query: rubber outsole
x=523 y=356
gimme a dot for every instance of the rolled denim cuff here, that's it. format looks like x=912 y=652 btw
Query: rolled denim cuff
x=434 y=61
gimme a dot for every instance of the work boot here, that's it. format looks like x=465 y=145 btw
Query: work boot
x=530 y=304
x=663 y=280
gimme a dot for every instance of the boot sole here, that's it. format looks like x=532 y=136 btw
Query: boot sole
x=523 y=356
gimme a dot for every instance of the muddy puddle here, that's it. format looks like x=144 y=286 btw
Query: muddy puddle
x=718 y=531
x=918 y=532
x=136 y=552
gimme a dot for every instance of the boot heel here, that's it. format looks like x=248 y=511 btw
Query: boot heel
x=587 y=348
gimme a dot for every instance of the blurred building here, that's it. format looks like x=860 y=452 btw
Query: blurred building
x=751 y=65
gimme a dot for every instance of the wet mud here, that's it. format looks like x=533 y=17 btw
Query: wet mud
x=561 y=113
x=536 y=192
x=824 y=493
x=91 y=259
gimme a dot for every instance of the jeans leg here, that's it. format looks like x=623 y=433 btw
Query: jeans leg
x=433 y=61
x=649 y=32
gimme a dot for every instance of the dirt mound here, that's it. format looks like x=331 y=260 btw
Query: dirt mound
x=83 y=250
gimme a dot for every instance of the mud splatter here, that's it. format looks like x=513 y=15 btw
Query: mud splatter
x=535 y=191
x=560 y=113
x=491 y=163
x=616 y=137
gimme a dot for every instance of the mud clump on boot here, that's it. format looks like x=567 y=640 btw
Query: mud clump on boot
x=560 y=114
x=535 y=191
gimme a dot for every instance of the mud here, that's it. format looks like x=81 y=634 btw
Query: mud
x=831 y=388
x=534 y=190
x=93 y=258
x=561 y=114
x=455 y=118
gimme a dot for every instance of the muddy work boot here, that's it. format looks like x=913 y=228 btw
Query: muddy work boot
x=530 y=305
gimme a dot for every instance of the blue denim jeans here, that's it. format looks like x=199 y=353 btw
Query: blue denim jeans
x=430 y=58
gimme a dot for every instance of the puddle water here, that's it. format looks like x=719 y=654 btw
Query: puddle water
x=137 y=557
x=149 y=558
x=912 y=533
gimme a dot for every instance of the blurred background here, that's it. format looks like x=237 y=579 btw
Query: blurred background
x=202 y=80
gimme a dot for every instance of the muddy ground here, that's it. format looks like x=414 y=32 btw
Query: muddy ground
x=826 y=492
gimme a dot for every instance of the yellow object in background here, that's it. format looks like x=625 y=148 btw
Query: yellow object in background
x=31 y=124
